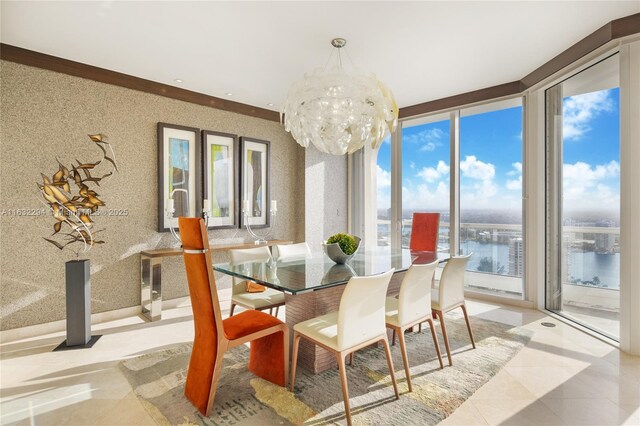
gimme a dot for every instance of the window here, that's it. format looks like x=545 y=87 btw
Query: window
x=491 y=196
x=383 y=192
x=490 y=189
x=425 y=173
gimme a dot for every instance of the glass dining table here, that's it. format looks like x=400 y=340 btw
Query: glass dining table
x=313 y=285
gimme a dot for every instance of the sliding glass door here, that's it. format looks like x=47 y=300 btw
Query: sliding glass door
x=583 y=197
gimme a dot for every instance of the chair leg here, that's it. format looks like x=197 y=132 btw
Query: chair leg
x=444 y=335
x=420 y=328
x=466 y=318
x=285 y=341
x=405 y=359
x=271 y=311
x=294 y=361
x=214 y=379
x=387 y=350
x=351 y=358
x=393 y=338
x=345 y=389
x=277 y=310
x=233 y=306
x=435 y=342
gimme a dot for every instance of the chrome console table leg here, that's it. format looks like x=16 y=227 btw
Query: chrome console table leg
x=151 y=287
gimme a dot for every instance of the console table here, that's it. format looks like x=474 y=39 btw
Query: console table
x=151 y=273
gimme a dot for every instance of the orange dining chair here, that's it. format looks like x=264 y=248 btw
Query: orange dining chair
x=268 y=335
x=424 y=232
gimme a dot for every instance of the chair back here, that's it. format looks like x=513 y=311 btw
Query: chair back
x=424 y=232
x=451 y=289
x=204 y=303
x=292 y=252
x=242 y=256
x=362 y=308
x=414 y=301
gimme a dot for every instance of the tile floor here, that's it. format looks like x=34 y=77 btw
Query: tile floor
x=562 y=376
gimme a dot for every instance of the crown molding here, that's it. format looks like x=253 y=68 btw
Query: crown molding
x=78 y=69
x=613 y=30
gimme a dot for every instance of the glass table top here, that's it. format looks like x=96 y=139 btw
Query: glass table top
x=317 y=271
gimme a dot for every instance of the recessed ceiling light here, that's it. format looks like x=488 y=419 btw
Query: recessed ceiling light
x=229 y=94
x=269 y=104
x=178 y=80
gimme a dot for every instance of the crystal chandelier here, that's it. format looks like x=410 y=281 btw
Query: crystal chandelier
x=339 y=111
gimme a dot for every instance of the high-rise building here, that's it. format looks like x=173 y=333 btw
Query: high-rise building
x=604 y=241
x=516 y=257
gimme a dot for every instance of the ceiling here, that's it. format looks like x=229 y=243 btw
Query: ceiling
x=255 y=50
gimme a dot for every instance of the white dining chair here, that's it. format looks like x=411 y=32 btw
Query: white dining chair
x=358 y=322
x=292 y=252
x=412 y=307
x=267 y=299
x=450 y=295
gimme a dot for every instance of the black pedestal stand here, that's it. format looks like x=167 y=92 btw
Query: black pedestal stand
x=78 y=286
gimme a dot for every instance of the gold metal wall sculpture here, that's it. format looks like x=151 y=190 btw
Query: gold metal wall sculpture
x=72 y=211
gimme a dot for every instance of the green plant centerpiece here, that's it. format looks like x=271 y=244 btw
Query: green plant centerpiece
x=341 y=247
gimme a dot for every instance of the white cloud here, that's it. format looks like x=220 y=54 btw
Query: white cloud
x=475 y=169
x=581 y=171
x=431 y=174
x=579 y=110
x=421 y=197
x=412 y=165
x=584 y=185
x=515 y=184
x=442 y=167
x=383 y=177
x=517 y=169
x=383 y=183
x=428 y=147
x=480 y=193
x=430 y=139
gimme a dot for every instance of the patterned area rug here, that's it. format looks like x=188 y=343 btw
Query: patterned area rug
x=243 y=399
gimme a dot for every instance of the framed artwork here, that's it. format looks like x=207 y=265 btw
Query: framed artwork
x=179 y=175
x=254 y=182
x=220 y=153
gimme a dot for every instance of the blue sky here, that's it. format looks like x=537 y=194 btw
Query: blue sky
x=491 y=158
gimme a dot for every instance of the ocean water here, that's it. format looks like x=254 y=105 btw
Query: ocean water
x=582 y=265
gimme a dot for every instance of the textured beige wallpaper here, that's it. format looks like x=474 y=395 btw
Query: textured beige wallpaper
x=47 y=115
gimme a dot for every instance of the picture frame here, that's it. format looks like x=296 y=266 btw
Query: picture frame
x=220 y=183
x=179 y=173
x=254 y=181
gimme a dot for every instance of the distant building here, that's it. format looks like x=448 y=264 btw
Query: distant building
x=604 y=242
x=516 y=257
